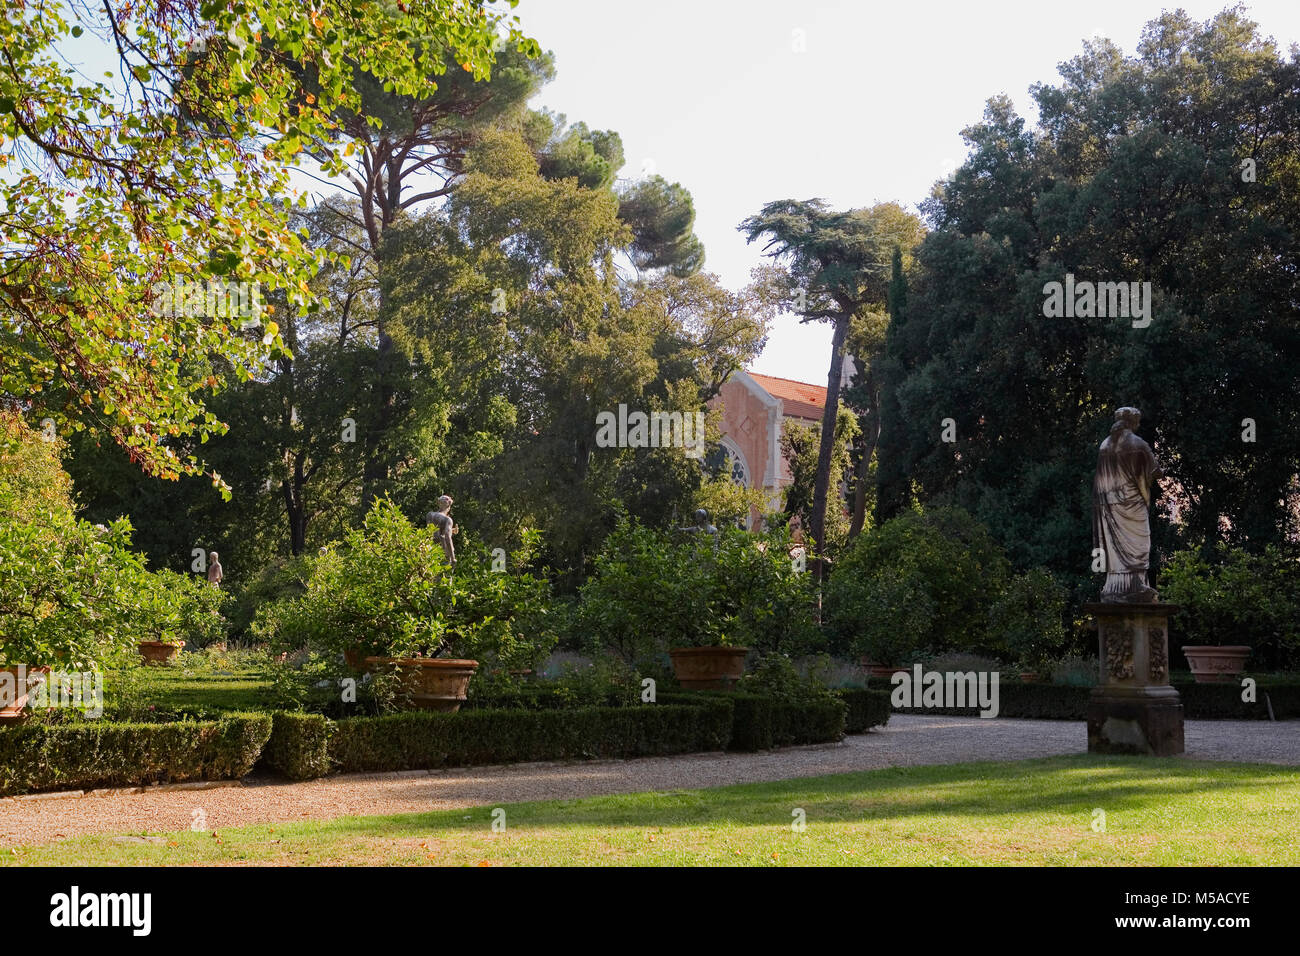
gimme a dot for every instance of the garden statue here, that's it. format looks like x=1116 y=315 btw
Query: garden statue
x=214 y=569
x=441 y=519
x=1121 y=497
x=701 y=523
x=1134 y=710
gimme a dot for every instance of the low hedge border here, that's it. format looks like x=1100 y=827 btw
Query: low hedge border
x=44 y=756
x=761 y=723
x=303 y=746
x=866 y=709
x=298 y=747
x=1068 y=702
x=423 y=740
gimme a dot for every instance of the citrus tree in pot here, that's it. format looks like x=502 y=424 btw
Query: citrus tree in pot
x=705 y=601
x=1234 y=603
x=919 y=583
x=175 y=609
x=386 y=598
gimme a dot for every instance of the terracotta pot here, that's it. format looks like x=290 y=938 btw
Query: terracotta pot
x=433 y=683
x=354 y=658
x=1030 y=677
x=159 y=652
x=14 y=711
x=708 y=668
x=882 y=670
x=1217 y=664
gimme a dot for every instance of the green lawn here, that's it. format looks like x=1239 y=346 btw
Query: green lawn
x=193 y=683
x=1157 y=812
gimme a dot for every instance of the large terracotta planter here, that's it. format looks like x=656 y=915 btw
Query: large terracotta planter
x=708 y=668
x=159 y=652
x=433 y=683
x=1217 y=664
x=12 y=711
x=887 y=671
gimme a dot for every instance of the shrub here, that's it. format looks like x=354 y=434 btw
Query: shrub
x=298 y=747
x=387 y=590
x=918 y=583
x=864 y=708
x=1076 y=672
x=1027 y=621
x=761 y=723
x=1238 y=598
x=72 y=594
x=427 y=740
x=1061 y=702
x=182 y=607
x=40 y=756
x=775 y=676
x=651 y=591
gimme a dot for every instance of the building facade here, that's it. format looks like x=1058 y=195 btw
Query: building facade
x=754 y=407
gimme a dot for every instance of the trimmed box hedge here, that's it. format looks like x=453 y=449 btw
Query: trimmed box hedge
x=1069 y=702
x=762 y=723
x=866 y=709
x=1223 y=701
x=424 y=740
x=42 y=756
x=299 y=746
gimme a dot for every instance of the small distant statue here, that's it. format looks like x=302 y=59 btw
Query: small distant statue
x=701 y=523
x=214 y=569
x=441 y=520
x=796 y=531
x=1121 y=498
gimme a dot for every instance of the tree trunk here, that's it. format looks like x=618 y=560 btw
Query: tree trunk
x=826 y=449
x=295 y=507
x=870 y=438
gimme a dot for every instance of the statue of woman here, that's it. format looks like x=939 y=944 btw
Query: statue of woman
x=441 y=519
x=1121 y=497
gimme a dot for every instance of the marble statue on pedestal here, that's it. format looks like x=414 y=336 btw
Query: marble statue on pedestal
x=1121 y=499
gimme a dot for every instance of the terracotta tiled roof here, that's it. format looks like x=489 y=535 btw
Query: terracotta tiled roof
x=798 y=399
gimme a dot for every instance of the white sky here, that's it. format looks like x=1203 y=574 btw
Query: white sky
x=713 y=94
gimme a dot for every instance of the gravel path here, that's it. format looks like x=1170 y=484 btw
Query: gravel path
x=906 y=740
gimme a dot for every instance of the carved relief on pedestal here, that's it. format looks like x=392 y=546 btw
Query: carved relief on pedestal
x=1117 y=642
x=1159 y=654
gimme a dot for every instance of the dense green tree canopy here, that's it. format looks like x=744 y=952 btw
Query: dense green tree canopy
x=1178 y=166
x=178 y=169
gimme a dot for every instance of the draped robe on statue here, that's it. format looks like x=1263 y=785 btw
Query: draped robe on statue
x=1121 y=497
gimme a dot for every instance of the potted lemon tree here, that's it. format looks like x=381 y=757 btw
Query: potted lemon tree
x=701 y=600
x=386 y=600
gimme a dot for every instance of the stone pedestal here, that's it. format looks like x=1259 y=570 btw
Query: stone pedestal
x=1135 y=710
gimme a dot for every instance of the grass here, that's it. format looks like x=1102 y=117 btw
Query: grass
x=1160 y=812
x=192 y=683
